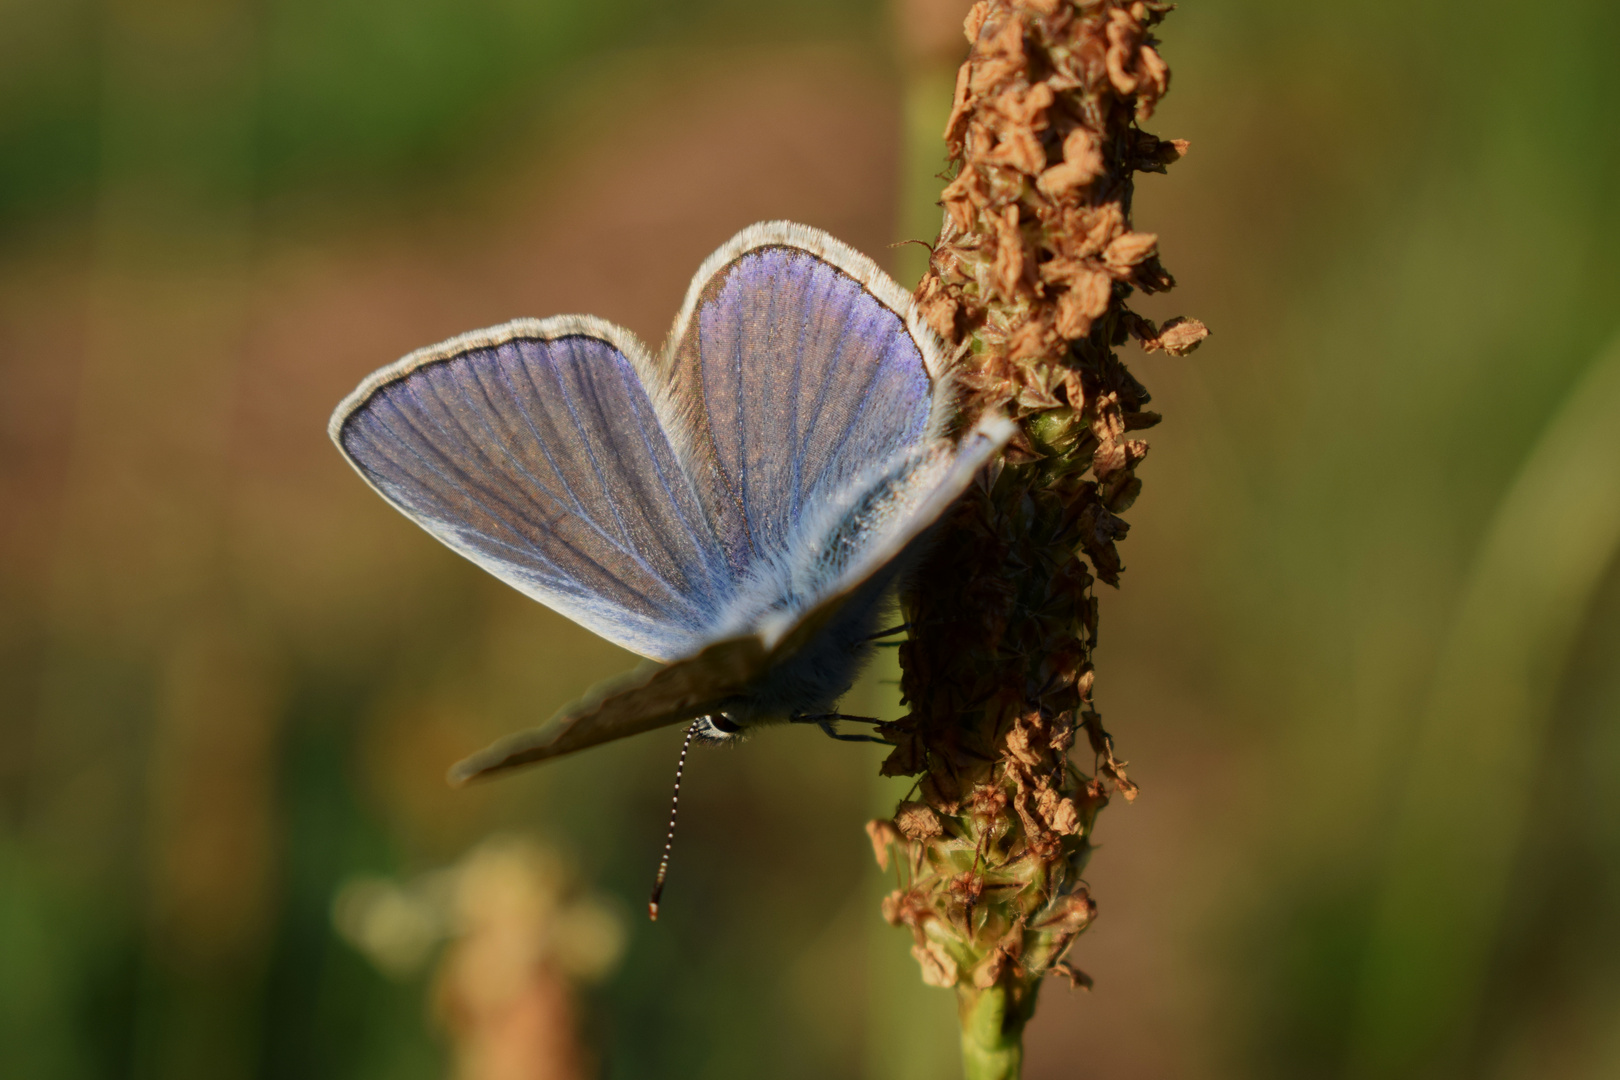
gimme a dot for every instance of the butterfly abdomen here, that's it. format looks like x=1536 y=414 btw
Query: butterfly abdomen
x=811 y=681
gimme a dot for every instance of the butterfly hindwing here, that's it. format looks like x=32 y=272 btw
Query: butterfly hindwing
x=534 y=449
x=652 y=696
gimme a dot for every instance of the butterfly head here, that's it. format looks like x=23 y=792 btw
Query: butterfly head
x=717 y=728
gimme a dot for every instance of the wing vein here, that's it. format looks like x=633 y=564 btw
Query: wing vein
x=702 y=550
x=515 y=461
x=793 y=401
x=579 y=507
x=474 y=489
x=492 y=499
x=860 y=404
x=742 y=441
x=827 y=377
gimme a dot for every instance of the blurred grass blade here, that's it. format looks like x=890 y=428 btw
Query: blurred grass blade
x=1470 y=764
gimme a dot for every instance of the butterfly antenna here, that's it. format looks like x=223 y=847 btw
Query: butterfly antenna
x=674 y=808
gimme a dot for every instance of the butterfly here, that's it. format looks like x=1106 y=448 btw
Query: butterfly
x=736 y=510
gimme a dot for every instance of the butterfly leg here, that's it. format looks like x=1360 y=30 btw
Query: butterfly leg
x=819 y=718
x=827 y=721
x=827 y=729
x=897 y=629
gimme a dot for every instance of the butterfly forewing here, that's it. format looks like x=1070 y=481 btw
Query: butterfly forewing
x=535 y=451
x=796 y=377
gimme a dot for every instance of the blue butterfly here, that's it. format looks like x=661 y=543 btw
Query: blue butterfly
x=736 y=510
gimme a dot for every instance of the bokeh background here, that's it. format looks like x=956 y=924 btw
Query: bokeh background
x=1364 y=659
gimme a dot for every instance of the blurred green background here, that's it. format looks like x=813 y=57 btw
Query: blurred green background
x=1364 y=659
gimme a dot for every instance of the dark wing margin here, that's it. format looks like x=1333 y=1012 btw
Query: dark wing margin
x=795 y=363
x=535 y=450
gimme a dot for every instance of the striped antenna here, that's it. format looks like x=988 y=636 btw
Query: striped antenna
x=674 y=808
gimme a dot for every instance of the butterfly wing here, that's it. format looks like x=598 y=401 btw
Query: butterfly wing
x=535 y=450
x=652 y=696
x=849 y=545
x=847 y=550
x=795 y=364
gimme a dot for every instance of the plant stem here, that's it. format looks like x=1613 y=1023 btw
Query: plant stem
x=993 y=1031
x=1447 y=892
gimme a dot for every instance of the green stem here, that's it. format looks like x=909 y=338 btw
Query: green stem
x=1448 y=881
x=993 y=1030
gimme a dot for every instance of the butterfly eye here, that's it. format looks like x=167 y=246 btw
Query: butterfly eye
x=722 y=723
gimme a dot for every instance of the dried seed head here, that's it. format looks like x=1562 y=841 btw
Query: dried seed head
x=1030 y=280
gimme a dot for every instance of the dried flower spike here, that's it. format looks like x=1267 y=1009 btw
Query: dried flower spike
x=1029 y=279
